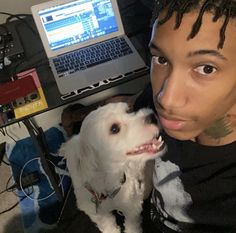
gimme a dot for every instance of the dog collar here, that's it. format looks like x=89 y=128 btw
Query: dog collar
x=97 y=198
x=113 y=193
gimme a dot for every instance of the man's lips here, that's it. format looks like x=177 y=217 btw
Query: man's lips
x=172 y=123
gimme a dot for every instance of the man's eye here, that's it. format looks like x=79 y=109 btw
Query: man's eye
x=160 y=60
x=206 y=69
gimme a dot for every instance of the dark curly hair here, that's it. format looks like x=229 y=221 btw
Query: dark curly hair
x=219 y=8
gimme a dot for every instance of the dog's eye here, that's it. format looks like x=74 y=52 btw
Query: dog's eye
x=115 y=128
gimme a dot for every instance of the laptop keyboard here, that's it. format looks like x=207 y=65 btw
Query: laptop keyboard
x=91 y=56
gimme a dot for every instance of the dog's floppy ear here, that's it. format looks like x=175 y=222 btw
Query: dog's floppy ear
x=80 y=157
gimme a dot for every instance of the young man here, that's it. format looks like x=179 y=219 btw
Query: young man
x=193 y=77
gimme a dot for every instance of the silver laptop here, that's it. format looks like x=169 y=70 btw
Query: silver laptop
x=84 y=41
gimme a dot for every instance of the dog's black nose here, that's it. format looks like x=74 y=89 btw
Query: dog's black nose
x=151 y=119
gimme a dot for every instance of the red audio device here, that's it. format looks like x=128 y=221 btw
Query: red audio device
x=18 y=88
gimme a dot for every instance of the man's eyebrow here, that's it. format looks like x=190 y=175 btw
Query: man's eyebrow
x=207 y=52
x=195 y=53
x=154 y=46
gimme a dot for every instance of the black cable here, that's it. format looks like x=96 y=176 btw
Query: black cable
x=16 y=186
x=17 y=203
x=12 y=187
x=12 y=207
x=2 y=131
x=9 y=135
x=18 y=16
x=15 y=167
x=6 y=163
x=9 y=189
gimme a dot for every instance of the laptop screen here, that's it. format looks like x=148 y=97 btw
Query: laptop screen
x=77 y=21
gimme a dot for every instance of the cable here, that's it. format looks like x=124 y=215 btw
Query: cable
x=17 y=203
x=12 y=207
x=18 y=16
x=11 y=189
x=9 y=135
x=2 y=131
x=6 y=163
x=16 y=184
x=22 y=189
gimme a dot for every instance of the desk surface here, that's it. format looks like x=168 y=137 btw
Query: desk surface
x=35 y=57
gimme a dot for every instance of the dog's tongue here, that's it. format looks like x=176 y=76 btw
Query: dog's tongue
x=152 y=147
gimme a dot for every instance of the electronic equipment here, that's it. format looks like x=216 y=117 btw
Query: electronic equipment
x=21 y=97
x=85 y=42
x=10 y=44
x=17 y=91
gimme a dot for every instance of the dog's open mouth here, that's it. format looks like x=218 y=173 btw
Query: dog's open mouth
x=154 y=146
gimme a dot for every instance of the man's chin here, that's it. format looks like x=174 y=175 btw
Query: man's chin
x=180 y=135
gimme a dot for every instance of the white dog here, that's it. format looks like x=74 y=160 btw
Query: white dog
x=106 y=162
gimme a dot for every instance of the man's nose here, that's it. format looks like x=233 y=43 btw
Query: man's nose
x=173 y=92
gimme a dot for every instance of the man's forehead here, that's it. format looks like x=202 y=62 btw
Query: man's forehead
x=166 y=40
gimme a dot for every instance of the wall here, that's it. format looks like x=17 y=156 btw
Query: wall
x=16 y=7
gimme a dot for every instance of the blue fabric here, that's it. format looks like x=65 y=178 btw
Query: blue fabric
x=40 y=207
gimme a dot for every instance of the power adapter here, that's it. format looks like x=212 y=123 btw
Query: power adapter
x=30 y=179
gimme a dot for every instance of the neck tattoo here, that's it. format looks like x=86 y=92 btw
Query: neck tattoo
x=220 y=128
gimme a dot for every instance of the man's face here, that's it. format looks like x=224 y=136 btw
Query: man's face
x=194 y=82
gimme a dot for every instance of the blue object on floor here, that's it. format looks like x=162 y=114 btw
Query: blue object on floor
x=39 y=204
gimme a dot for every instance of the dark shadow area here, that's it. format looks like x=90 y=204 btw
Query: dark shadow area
x=14 y=225
x=73 y=220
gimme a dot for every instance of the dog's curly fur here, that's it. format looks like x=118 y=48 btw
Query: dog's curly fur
x=106 y=163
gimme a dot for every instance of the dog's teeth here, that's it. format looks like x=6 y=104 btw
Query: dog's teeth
x=160 y=139
x=159 y=146
x=154 y=146
x=149 y=147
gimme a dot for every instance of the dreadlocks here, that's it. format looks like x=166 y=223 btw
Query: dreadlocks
x=219 y=9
